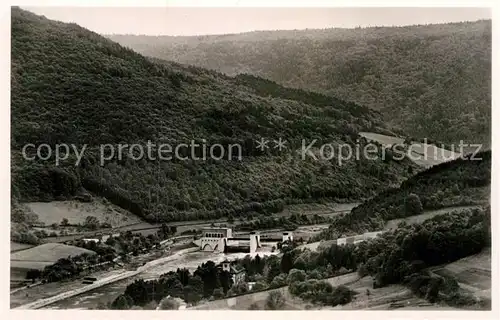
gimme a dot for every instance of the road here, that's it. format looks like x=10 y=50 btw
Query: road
x=145 y=227
x=104 y=281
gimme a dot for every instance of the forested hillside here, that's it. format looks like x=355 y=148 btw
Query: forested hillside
x=431 y=81
x=454 y=183
x=73 y=86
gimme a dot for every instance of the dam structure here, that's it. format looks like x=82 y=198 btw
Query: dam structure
x=217 y=239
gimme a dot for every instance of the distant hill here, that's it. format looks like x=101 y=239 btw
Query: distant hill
x=430 y=81
x=71 y=85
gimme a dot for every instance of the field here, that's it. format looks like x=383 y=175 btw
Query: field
x=383 y=139
x=44 y=254
x=425 y=155
x=16 y=246
x=393 y=224
x=76 y=212
x=473 y=273
x=324 y=209
x=54 y=288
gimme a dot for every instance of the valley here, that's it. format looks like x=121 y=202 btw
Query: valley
x=405 y=226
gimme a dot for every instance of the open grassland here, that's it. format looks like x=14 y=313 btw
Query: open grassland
x=76 y=212
x=473 y=273
x=383 y=139
x=47 y=290
x=44 y=254
x=16 y=246
x=424 y=155
x=329 y=209
x=393 y=224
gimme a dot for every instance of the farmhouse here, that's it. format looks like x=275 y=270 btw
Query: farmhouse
x=91 y=240
x=237 y=273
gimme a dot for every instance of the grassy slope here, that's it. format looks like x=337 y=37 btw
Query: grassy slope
x=432 y=81
x=70 y=85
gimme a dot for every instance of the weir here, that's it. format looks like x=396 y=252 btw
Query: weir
x=221 y=240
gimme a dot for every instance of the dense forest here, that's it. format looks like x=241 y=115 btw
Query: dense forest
x=73 y=86
x=431 y=81
x=454 y=183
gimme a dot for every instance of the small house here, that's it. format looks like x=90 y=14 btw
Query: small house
x=237 y=273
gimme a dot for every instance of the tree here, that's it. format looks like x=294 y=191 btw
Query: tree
x=150 y=305
x=64 y=222
x=209 y=274
x=33 y=274
x=286 y=262
x=164 y=231
x=413 y=205
x=278 y=281
x=191 y=294
x=275 y=301
x=314 y=274
x=300 y=263
x=410 y=170
x=196 y=284
x=259 y=286
x=296 y=275
x=218 y=293
x=139 y=291
x=272 y=268
x=122 y=302
x=254 y=306
x=91 y=223
x=341 y=295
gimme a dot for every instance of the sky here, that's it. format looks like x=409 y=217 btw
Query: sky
x=200 y=21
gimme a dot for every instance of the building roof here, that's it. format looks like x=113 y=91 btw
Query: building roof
x=236 y=269
x=233 y=268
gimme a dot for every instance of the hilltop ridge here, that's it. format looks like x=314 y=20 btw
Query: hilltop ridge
x=390 y=69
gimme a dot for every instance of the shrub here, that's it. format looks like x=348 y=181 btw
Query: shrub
x=275 y=301
x=168 y=303
x=254 y=306
x=296 y=275
x=279 y=281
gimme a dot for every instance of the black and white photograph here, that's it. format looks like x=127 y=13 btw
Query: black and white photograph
x=250 y=158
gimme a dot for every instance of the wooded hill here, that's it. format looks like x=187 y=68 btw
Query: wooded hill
x=455 y=183
x=430 y=81
x=71 y=85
